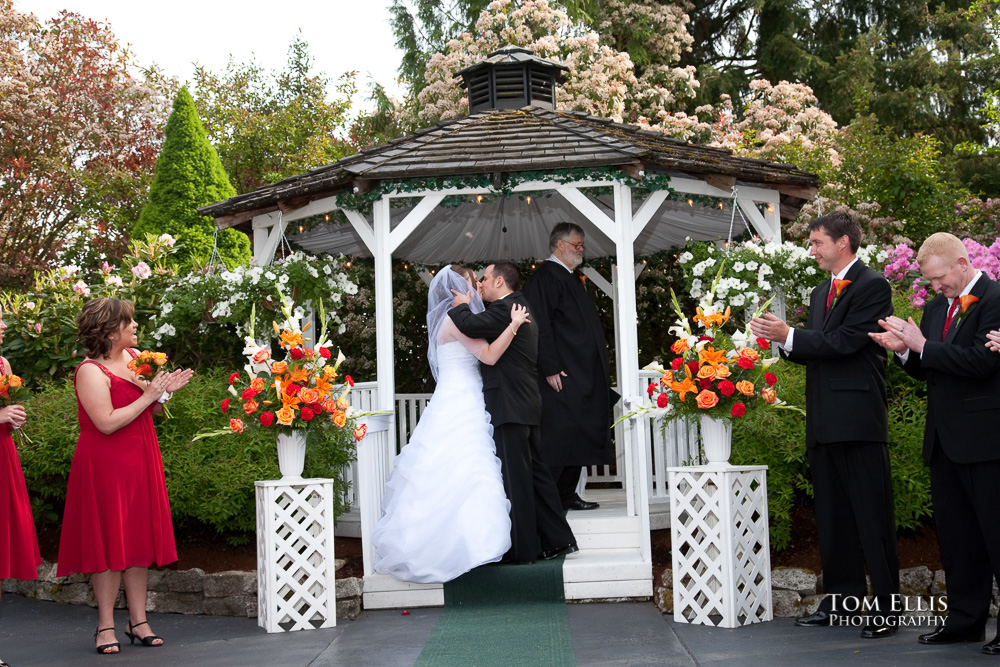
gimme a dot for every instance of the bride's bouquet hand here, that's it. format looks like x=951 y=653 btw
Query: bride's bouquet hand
x=518 y=316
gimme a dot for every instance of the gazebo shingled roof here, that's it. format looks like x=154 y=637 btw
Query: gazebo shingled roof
x=519 y=140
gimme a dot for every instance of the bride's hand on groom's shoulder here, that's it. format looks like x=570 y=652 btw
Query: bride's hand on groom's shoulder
x=518 y=315
x=461 y=298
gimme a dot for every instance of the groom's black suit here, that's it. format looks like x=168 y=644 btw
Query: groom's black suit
x=510 y=388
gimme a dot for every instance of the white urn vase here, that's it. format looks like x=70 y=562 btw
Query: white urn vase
x=291 y=454
x=716 y=440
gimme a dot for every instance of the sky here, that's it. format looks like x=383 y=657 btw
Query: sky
x=343 y=35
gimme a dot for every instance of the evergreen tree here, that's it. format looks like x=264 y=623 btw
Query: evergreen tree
x=189 y=174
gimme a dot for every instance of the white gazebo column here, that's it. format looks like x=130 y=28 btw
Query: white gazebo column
x=636 y=454
x=376 y=465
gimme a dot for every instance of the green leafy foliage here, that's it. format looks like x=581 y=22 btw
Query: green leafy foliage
x=188 y=175
x=210 y=481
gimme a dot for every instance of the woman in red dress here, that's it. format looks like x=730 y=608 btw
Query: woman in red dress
x=19 y=557
x=117 y=520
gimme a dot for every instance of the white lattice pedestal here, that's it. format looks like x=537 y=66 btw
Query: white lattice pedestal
x=720 y=548
x=295 y=570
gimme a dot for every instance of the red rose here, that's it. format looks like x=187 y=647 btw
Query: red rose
x=661 y=400
x=266 y=419
x=233 y=377
x=225 y=405
x=296 y=354
x=705 y=338
x=307 y=414
x=770 y=379
x=248 y=393
x=744 y=363
x=650 y=389
x=292 y=389
x=705 y=383
x=763 y=342
x=324 y=352
x=677 y=363
x=349 y=380
x=738 y=410
x=726 y=388
x=316 y=408
x=693 y=365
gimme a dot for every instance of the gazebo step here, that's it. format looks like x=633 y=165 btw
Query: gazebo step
x=384 y=592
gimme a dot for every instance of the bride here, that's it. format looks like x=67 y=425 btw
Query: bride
x=445 y=511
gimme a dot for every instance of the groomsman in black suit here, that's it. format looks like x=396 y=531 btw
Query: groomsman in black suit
x=950 y=351
x=847 y=427
x=510 y=389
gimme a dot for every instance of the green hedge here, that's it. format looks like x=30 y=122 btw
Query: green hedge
x=210 y=481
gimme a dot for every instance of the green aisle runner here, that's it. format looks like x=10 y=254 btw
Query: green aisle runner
x=503 y=615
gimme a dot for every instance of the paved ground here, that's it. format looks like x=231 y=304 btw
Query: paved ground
x=46 y=633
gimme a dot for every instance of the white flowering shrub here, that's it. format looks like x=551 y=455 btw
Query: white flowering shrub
x=755 y=271
x=197 y=318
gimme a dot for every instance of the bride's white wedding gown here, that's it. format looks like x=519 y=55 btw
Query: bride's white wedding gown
x=445 y=511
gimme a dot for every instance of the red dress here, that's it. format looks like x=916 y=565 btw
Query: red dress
x=19 y=557
x=117 y=512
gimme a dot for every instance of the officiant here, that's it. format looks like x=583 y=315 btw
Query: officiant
x=573 y=366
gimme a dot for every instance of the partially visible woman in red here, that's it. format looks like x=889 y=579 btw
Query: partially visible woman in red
x=117 y=520
x=19 y=557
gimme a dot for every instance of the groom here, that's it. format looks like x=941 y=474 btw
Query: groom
x=510 y=389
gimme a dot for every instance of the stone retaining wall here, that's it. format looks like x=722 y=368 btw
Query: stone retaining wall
x=178 y=592
x=797 y=592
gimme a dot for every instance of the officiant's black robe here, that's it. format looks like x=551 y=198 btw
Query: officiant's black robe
x=576 y=422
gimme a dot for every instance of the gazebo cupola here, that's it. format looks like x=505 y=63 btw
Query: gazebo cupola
x=511 y=78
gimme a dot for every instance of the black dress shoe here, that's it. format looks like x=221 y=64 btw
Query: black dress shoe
x=581 y=504
x=873 y=631
x=555 y=552
x=819 y=619
x=945 y=636
x=993 y=648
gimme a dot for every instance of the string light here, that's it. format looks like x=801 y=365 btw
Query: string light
x=770 y=209
x=690 y=202
x=720 y=205
x=301 y=229
x=479 y=199
x=529 y=199
x=328 y=218
x=348 y=265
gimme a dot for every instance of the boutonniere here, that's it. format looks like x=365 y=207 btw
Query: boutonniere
x=583 y=279
x=838 y=288
x=965 y=304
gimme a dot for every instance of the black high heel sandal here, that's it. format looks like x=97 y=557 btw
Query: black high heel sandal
x=103 y=648
x=145 y=641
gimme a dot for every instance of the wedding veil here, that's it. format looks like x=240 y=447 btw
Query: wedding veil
x=439 y=298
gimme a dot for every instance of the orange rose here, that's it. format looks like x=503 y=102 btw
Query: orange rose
x=250 y=406
x=15 y=381
x=339 y=419
x=749 y=353
x=309 y=395
x=706 y=372
x=769 y=395
x=159 y=358
x=260 y=356
x=722 y=371
x=279 y=367
x=706 y=399
x=342 y=404
x=257 y=384
x=679 y=346
x=745 y=387
x=236 y=425
x=328 y=406
x=285 y=416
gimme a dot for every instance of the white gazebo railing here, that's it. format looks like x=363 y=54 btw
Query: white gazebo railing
x=677 y=445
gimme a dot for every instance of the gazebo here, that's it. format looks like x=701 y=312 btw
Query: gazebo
x=490 y=186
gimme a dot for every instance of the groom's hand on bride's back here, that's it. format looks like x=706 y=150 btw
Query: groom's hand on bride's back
x=461 y=298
